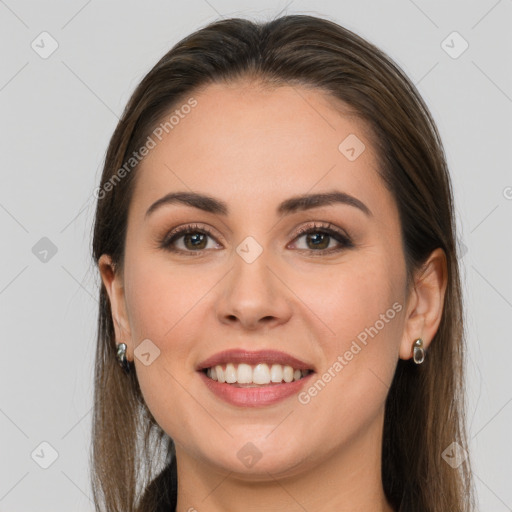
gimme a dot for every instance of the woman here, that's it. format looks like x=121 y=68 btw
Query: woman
x=276 y=241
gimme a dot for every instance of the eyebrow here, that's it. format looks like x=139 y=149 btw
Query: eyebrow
x=289 y=206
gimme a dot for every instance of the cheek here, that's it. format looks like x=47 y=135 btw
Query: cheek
x=162 y=304
x=361 y=307
x=353 y=300
x=158 y=297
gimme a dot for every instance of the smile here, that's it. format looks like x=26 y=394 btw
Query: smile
x=246 y=378
x=245 y=375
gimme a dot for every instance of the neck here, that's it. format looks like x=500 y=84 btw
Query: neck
x=348 y=480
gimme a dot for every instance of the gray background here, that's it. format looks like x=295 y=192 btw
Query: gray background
x=57 y=115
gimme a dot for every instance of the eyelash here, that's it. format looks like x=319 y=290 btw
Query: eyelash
x=344 y=240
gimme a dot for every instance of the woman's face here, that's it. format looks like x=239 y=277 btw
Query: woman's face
x=333 y=299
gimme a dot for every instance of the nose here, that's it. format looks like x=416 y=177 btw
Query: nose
x=253 y=296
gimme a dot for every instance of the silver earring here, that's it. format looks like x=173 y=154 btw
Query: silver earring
x=121 y=357
x=418 y=351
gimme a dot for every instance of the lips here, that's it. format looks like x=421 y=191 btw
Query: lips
x=269 y=357
x=288 y=375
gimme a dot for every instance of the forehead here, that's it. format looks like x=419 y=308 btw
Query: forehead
x=256 y=145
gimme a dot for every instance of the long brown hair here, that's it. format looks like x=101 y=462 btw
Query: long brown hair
x=425 y=405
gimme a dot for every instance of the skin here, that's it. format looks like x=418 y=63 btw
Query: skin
x=253 y=148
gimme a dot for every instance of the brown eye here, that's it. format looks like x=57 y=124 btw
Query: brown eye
x=194 y=240
x=188 y=239
x=318 y=239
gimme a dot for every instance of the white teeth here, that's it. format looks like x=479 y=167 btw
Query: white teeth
x=230 y=374
x=259 y=374
x=276 y=373
x=288 y=373
x=244 y=374
x=220 y=374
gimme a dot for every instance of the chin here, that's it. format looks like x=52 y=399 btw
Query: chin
x=251 y=461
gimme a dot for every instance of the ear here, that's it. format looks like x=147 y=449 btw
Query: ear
x=112 y=280
x=425 y=304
